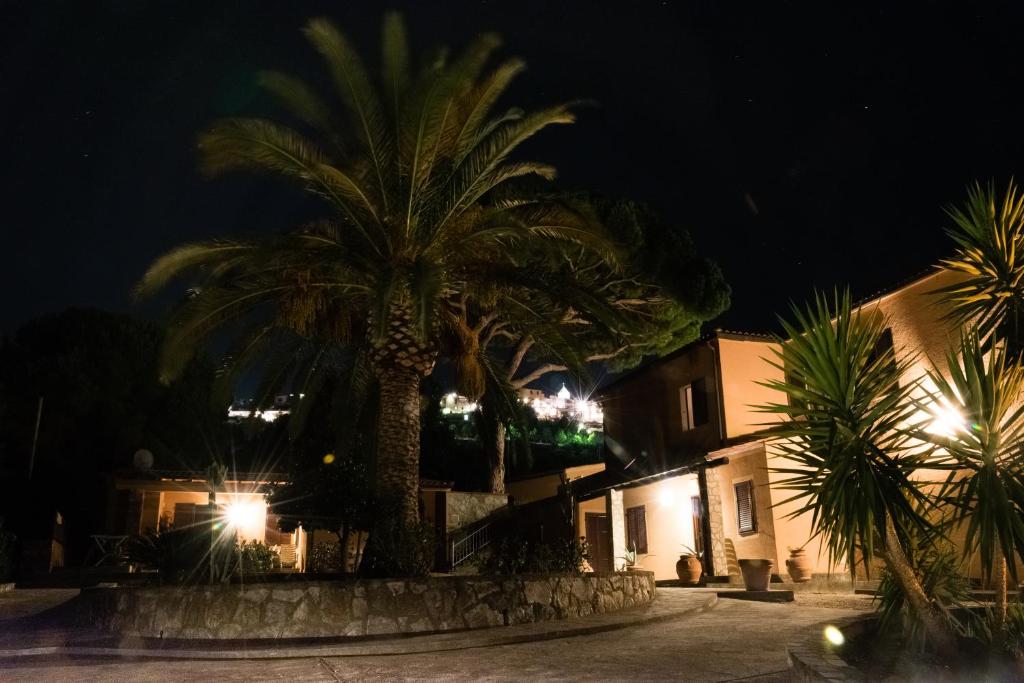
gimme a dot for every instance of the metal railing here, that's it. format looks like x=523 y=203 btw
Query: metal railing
x=461 y=549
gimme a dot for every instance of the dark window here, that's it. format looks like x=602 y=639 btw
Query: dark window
x=746 y=511
x=882 y=346
x=693 y=404
x=636 y=529
x=700 y=402
x=794 y=381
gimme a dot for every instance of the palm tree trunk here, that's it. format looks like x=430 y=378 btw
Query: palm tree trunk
x=999 y=585
x=939 y=632
x=498 y=460
x=398 y=442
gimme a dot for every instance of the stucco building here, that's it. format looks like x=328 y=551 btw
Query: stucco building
x=687 y=463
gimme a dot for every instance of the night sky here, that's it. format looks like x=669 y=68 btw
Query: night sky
x=801 y=145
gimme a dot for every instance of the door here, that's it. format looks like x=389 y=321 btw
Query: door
x=599 y=542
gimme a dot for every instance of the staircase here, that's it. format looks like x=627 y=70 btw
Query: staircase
x=466 y=542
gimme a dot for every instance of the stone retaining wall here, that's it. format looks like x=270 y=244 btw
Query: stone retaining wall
x=360 y=608
x=466 y=507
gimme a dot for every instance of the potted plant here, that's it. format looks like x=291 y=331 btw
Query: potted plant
x=630 y=560
x=689 y=568
x=757 y=574
x=799 y=565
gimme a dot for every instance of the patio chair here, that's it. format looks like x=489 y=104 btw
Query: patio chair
x=287 y=555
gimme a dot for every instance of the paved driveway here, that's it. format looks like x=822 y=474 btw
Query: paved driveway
x=733 y=641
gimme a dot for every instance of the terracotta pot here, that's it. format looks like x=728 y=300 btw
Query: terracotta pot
x=757 y=574
x=689 y=569
x=799 y=566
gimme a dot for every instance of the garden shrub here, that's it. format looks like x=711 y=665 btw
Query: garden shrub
x=254 y=557
x=186 y=556
x=518 y=555
x=325 y=557
x=939 y=569
x=396 y=550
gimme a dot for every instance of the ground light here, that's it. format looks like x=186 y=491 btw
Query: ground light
x=834 y=636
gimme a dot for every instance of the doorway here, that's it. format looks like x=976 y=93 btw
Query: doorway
x=599 y=541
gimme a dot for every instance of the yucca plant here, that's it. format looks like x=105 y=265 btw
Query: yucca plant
x=979 y=434
x=848 y=458
x=939 y=567
x=413 y=170
x=989 y=234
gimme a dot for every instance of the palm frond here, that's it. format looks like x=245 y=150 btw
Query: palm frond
x=357 y=93
x=181 y=260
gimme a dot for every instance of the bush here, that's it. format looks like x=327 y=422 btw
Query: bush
x=255 y=557
x=8 y=543
x=186 y=556
x=396 y=550
x=939 y=570
x=518 y=555
x=325 y=557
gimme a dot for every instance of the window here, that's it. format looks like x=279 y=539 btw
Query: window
x=883 y=346
x=794 y=381
x=636 y=529
x=746 y=511
x=693 y=405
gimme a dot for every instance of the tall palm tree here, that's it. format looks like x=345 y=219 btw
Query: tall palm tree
x=989 y=234
x=410 y=172
x=981 y=439
x=842 y=433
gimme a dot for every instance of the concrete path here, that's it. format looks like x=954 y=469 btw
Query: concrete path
x=726 y=640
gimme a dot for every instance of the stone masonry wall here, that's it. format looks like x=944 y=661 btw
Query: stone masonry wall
x=467 y=507
x=718 y=557
x=617 y=515
x=359 y=608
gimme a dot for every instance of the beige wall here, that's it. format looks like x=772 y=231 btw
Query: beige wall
x=917 y=327
x=748 y=463
x=535 y=488
x=172 y=498
x=669 y=517
x=544 y=486
x=744 y=363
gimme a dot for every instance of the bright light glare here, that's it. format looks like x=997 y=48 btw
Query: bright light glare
x=834 y=636
x=946 y=420
x=667 y=498
x=243 y=515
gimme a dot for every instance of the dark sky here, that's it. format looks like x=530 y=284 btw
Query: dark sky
x=801 y=144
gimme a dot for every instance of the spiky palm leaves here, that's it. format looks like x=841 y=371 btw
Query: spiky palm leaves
x=841 y=425
x=981 y=437
x=842 y=434
x=409 y=175
x=989 y=234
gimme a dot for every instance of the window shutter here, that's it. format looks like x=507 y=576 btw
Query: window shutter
x=686 y=407
x=184 y=515
x=700 y=402
x=636 y=529
x=746 y=512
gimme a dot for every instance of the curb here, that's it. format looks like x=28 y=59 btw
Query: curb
x=390 y=646
x=812 y=658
